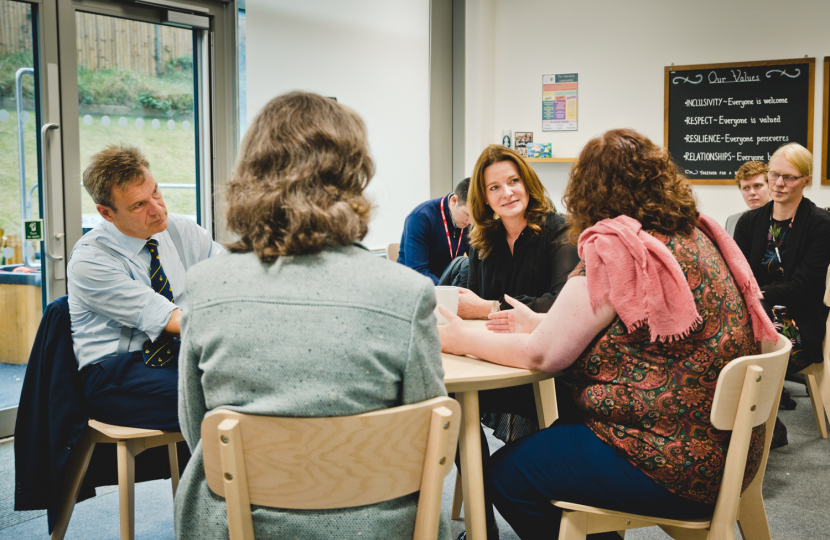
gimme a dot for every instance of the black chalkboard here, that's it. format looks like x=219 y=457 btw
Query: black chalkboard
x=718 y=116
x=825 y=149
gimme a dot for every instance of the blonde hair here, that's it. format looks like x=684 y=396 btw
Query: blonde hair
x=488 y=226
x=298 y=183
x=798 y=156
x=114 y=166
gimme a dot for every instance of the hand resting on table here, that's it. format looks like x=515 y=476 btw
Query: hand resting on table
x=519 y=320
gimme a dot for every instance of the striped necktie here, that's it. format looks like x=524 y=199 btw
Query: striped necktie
x=166 y=347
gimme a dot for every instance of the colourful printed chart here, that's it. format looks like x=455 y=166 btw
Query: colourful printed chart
x=559 y=97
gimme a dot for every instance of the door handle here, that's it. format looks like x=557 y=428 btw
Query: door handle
x=47 y=194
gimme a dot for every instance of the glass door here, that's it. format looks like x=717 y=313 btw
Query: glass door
x=134 y=79
x=136 y=87
x=22 y=262
x=76 y=76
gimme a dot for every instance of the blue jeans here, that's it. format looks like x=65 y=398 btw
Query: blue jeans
x=569 y=463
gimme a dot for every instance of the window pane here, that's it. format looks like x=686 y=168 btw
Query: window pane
x=20 y=284
x=135 y=87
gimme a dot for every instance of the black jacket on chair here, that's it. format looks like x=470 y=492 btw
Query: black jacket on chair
x=51 y=417
x=805 y=267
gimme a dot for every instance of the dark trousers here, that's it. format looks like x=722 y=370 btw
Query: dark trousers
x=567 y=462
x=516 y=400
x=123 y=391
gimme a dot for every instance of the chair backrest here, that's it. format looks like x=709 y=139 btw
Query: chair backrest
x=392 y=251
x=747 y=389
x=728 y=392
x=327 y=463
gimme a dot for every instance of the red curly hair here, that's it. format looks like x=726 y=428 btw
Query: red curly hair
x=623 y=173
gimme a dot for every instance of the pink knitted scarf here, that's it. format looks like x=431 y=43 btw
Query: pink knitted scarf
x=645 y=284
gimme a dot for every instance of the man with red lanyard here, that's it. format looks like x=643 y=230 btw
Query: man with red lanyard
x=435 y=233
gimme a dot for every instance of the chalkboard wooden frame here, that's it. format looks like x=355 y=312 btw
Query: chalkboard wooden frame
x=811 y=62
x=825 y=133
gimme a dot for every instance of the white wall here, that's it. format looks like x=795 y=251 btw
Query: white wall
x=619 y=50
x=373 y=56
x=479 y=79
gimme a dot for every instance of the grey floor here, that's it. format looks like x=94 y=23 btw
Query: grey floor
x=11 y=382
x=796 y=491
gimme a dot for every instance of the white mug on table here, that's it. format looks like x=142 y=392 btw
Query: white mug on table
x=448 y=297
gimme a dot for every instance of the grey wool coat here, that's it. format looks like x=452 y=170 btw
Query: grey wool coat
x=337 y=333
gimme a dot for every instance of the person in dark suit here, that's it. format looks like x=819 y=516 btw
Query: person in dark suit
x=787 y=244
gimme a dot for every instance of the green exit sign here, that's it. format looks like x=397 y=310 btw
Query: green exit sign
x=33 y=229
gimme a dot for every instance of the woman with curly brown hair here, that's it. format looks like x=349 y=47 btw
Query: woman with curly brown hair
x=300 y=319
x=661 y=302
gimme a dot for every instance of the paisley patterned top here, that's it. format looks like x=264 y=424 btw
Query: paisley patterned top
x=651 y=401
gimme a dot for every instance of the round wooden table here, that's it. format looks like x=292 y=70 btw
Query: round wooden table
x=465 y=376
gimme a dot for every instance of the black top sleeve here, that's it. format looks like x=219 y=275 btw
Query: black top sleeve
x=743 y=235
x=806 y=285
x=563 y=258
x=534 y=273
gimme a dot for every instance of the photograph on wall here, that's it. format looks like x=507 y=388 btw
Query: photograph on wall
x=539 y=150
x=522 y=139
x=559 y=100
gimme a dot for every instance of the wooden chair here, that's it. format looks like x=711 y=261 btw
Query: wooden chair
x=818 y=376
x=392 y=251
x=264 y=460
x=746 y=395
x=130 y=443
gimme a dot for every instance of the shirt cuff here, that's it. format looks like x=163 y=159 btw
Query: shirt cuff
x=154 y=316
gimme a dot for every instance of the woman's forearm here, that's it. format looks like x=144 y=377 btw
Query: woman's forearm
x=505 y=349
x=561 y=336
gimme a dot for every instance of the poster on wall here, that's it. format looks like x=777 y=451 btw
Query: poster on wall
x=559 y=97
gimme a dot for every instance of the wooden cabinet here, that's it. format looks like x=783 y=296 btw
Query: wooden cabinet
x=20 y=313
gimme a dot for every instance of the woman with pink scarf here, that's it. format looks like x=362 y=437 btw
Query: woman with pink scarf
x=662 y=300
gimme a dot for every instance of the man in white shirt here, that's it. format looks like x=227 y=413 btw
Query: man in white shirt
x=126 y=281
x=752 y=181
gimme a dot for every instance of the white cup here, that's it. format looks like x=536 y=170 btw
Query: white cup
x=447 y=297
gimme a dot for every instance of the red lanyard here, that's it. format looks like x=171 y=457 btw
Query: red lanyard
x=447 y=230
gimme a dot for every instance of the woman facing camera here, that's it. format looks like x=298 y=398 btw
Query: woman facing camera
x=642 y=329
x=300 y=319
x=520 y=246
x=787 y=244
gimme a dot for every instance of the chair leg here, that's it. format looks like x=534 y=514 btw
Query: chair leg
x=75 y=471
x=574 y=526
x=126 y=488
x=752 y=516
x=817 y=403
x=457 y=498
x=174 y=466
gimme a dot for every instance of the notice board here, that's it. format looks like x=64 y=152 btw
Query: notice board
x=719 y=116
x=825 y=132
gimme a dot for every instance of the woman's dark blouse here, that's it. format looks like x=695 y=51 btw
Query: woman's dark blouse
x=533 y=274
x=651 y=401
x=773 y=271
x=804 y=262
